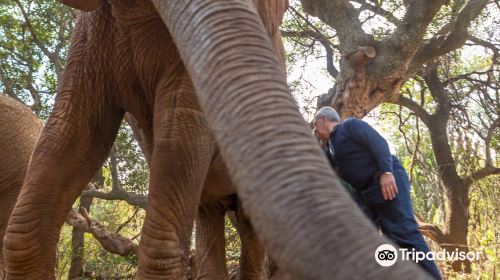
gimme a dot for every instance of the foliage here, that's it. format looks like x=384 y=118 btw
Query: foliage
x=32 y=50
x=116 y=216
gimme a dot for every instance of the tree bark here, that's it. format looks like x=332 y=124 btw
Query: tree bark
x=367 y=79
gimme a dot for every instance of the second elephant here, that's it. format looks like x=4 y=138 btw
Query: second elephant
x=19 y=131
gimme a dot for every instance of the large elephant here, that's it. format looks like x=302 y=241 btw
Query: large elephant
x=19 y=131
x=147 y=59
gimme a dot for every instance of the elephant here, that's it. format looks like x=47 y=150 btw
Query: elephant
x=19 y=131
x=192 y=75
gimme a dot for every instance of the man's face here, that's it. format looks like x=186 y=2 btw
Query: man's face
x=322 y=128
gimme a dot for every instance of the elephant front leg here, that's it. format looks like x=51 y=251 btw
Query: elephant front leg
x=182 y=151
x=253 y=252
x=210 y=243
x=74 y=143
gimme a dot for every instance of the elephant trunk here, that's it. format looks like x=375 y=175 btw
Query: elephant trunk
x=311 y=227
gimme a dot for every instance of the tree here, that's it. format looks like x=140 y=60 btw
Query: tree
x=373 y=67
x=33 y=45
x=463 y=130
x=377 y=49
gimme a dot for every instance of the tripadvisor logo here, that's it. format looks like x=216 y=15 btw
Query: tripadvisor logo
x=387 y=255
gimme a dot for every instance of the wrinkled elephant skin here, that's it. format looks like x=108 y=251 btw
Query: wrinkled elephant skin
x=19 y=130
x=163 y=65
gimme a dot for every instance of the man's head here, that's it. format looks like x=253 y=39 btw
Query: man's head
x=324 y=121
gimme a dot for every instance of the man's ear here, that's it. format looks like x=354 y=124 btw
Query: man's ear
x=82 y=5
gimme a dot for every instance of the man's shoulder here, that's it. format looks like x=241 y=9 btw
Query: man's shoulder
x=350 y=121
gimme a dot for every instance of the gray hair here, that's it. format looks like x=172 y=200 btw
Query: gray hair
x=329 y=113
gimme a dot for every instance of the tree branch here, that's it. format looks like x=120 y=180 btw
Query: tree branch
x=451 y=36
x=412 y=106
x=9 y=89
x=482 y=173
x=54 y=58
x=119 y=228
x=110 y=241
x=439 y=94
x=410 y=32
x=466 y=76
x=378 y=10
x=478 y=41
x=430 y=230
x=343 y=17
x=130 y=198
x=487 y=140
x=318 y=36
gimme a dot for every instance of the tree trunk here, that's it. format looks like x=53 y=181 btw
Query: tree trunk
x=456 y=190
x=457 y=224
x=77 y=235
x=77 y=245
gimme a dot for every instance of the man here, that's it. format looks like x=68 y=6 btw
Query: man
x=361 y=157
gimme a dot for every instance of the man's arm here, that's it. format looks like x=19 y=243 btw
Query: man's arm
x=368 y=137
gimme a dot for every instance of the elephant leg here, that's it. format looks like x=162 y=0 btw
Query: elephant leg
x=182 y=150
x=8 y=198
x=253 y=252
x=210 y=243
x=72 y=146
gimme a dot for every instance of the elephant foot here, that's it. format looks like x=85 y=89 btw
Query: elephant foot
x=162 y=262
x=34 y=277
x=24 y=256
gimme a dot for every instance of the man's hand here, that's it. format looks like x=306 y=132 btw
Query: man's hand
x=388 y=186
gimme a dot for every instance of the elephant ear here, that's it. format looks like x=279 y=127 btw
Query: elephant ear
x=82 y=5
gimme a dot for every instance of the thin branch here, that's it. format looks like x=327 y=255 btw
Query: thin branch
x=412 y=106
x=489 y=137
x=415 y=151
x=54 y=58
x=494 y=48
x=35 y=94
x=467 y=76
x=482 y=173
x=378 y=10
x=318 y=35
x=119 y=228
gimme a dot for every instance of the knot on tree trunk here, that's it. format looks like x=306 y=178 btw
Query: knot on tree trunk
x=358 y=58
x=352 y=94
